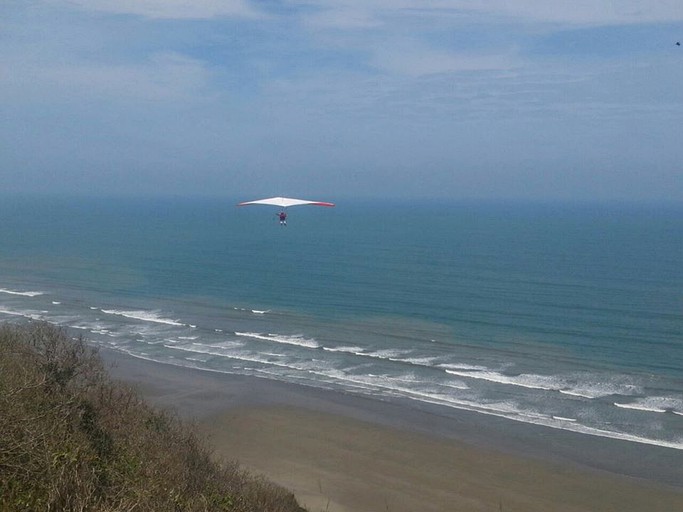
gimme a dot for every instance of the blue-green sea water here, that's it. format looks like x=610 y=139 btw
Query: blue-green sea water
x=569 y=316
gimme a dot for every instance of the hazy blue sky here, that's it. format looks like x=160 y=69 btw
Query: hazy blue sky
x=321 y=99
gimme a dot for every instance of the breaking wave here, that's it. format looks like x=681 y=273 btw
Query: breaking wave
x=145 y=316
x=23 y=294
x=298 y=340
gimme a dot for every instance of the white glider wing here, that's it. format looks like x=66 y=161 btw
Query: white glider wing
x=284 y=202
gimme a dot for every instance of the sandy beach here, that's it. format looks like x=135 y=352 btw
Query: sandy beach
x=342 y=453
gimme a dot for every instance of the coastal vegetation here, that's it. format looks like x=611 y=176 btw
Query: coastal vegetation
x=73 y=439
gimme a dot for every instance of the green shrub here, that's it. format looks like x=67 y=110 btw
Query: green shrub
x=71 y=439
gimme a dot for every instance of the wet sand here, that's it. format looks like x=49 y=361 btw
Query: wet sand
x=343 y=453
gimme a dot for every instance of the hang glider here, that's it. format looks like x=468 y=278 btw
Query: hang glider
x=285 y=202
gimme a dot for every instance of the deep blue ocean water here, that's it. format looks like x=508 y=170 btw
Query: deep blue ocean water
x=569 y=316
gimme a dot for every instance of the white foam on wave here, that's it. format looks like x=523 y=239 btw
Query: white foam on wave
x=657 y=404
x=26 y=314
x=104 y=332
x=254 y=311
x=272 y=354
x=676 y=444
x=595 y=386
x=411 y=387
x=456 y=384
x=511 y=411
x=296 y=368
x=349 y=350
x=388 y=354
x=462 y=366
x=228 y=344
x=198 y=359
x=23 y=294
x=579 y=385
x=638 y=407
x=223 y=349
x=405 y=385
x=261 y=359
x=418 y=361
x=571 y=392
x=145 y=316
x=384 y=354
x=56 y=302
x=297 y=340
x=531 y=381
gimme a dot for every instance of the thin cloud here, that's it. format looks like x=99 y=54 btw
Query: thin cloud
x=162 y=77
x=345 y=18
x=584 y=12
x=405 y=90
x=416 y=59
x=590 y=12
x=171 y=9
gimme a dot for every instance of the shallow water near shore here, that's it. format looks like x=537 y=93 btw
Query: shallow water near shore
x=569 y=317
x=215 y=399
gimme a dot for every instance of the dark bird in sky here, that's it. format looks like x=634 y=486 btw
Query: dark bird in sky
x=678 y=43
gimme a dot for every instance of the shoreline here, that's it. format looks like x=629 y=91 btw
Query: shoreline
x=339 y=452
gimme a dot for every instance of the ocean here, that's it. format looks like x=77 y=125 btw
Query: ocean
x=563 y=315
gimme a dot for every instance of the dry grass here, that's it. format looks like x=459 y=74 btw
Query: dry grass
x=73 y=440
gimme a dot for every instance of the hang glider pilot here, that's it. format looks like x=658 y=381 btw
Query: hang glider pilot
x=283 y=203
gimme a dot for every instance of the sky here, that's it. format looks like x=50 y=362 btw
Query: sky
x=453 y=99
